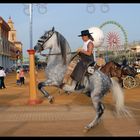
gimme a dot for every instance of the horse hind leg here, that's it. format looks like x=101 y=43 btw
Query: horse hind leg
x=46 y=94
x=99 y=108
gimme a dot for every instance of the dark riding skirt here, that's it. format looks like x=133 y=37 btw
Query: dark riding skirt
x=81 y=67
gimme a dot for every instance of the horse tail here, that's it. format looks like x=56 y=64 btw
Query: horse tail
x=118 y=96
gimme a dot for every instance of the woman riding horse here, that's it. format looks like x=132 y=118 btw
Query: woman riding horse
x=86 y=57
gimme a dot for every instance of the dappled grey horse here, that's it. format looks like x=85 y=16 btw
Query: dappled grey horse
x=97 y=83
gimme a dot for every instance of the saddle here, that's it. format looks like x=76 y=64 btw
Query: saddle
x=67 y=78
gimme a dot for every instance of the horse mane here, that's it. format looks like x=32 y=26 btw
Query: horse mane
x=61 y=41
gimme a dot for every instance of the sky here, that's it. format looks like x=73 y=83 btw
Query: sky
x=70 y=19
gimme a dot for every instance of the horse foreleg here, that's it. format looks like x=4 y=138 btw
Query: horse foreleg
x=46 y=94
x=99 y=107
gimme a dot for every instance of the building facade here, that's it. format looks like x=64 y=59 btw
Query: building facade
x=8 y=44
x=12 y=37
x=4 y=44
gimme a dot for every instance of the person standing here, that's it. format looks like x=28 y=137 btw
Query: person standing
x=2 y=76
x=17 y=77
x=22 y=77
x=124 y=61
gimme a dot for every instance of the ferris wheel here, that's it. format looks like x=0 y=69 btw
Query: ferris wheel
x=113 y=41
x=115 y=37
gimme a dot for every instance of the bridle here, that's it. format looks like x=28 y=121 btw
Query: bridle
x=56 y=53
x=44 y=39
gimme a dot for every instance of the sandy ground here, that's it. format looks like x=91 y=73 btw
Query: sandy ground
x=68 y=114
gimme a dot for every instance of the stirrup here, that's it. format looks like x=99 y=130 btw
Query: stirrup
x=79 y=87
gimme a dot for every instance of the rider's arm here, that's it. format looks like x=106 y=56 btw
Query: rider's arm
x=89 y=49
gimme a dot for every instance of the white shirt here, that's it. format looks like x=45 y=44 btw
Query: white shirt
x=2 y=73
x=86 y=44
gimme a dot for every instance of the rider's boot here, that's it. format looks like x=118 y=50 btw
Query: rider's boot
x=79 y=86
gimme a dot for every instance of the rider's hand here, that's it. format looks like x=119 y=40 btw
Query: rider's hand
x=79 y=50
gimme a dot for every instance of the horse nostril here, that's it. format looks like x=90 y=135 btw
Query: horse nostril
x=35 y=48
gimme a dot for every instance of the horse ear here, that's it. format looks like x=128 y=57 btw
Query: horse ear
x=53 y=28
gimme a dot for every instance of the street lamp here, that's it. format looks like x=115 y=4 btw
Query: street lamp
x=32 y=82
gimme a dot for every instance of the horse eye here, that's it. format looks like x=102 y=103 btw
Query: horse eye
x=43 y=37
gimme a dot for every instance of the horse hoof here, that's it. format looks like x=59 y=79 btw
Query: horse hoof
x=51 y=99
x=86 y=130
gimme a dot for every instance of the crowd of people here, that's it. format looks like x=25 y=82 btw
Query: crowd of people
x=20 y=77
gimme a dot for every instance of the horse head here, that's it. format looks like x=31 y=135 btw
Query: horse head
x=55 y=42
x=45 y=41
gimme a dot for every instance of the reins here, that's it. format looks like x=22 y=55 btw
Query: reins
x=58 y=53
